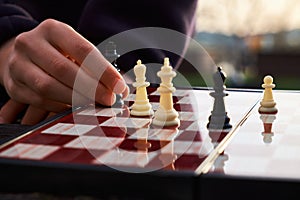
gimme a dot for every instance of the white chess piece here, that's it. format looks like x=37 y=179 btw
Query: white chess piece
x=268 y=103
x=141 y=106
x=166 y=115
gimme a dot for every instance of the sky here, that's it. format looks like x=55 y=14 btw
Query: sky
x=248 y=17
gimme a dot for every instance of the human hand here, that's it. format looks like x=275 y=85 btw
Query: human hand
x=43 y=64
x=11 y=110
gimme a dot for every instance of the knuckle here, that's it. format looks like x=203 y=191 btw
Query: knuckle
x=42 y=86
x=48 y=24
x=53 y=27
x=22 y=40
x=83 y=48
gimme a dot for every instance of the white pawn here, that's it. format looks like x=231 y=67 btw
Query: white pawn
x=268 y=103
x=166 y=115
x=141 y=106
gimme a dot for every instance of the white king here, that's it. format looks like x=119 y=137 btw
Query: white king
x=141 y=106
x=166 y=115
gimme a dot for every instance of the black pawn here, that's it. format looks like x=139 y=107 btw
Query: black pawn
x=111 y=55
x=218 y=118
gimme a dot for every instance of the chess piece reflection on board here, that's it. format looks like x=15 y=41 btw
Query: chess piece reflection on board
x=167 y=155
x=219 y=163
x=267 y=120
x=142 y=145
x=111 y=55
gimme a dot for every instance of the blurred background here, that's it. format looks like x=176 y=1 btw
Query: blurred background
x=249 y=39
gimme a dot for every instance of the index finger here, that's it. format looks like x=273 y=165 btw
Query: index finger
x=67 y=40
x=96 y=65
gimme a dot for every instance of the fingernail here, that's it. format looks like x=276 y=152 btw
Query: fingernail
x=119 y=86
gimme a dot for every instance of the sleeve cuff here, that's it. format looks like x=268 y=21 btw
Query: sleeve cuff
x=13 y=21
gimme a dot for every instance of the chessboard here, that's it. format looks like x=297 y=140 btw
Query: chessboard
x=94 y=146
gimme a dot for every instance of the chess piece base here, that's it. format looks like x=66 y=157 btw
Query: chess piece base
x=268 y=104
x=219 y=122
x=175 y=122
x=141 y=113
x=166 y=118
x=269 y=110
x=141 y=108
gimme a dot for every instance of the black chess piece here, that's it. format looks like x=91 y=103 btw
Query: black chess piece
x=111 y=55
x=218 y=118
